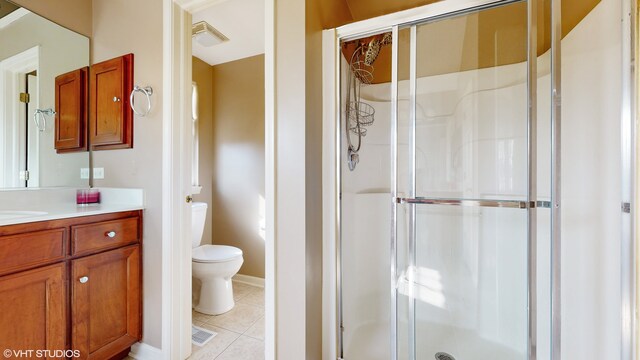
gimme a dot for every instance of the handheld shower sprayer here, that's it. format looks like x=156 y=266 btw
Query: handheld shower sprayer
x=358 y=113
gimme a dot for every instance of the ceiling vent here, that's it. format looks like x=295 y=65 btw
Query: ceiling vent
x=207 y=35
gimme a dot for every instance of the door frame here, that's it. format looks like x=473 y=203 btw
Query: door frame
x=12 y=81
x=629 y=270
x=176 y=184
x=332 y=307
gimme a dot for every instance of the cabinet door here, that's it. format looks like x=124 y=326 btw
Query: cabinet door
x=71 y=111
x=106 y=303
x=33 y=307
x=111 y=120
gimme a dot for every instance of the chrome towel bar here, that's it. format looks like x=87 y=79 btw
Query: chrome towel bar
x=513 y=204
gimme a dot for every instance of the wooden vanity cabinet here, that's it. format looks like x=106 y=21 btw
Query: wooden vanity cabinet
x=105 y=294
x=111 y=116
x=71 y=111
x=34 y=305
x=82 y=289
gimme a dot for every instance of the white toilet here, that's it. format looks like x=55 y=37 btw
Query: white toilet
x=213 y=266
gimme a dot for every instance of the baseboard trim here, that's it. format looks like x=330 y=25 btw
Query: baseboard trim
x=249 y=280
x=142 y=351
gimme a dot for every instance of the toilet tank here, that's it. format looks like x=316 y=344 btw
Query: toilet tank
x=198 y=217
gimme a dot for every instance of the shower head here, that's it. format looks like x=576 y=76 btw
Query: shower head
x=373 y=49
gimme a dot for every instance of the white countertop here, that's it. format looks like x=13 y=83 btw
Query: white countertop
x=66 y=211
x=53 y=204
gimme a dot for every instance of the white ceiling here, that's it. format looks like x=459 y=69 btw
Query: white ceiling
x=242 y=21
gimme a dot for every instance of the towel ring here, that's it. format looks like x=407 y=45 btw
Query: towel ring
x=147 y=91
x=40 y=118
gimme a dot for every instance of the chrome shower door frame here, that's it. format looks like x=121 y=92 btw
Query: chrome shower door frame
x=629 y=155
x=444 y=9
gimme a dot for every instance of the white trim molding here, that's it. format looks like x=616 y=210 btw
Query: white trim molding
x=13 y=16
x=271 y=311
x=249 y=280
x=13 y=131
x=176 y=183
x=330 y=204
x=142 y=351
x=194 y=6
x=628 y=120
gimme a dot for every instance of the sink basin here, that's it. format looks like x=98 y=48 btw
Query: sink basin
x=16 y=214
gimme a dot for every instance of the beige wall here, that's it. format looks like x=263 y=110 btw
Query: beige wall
x=298 y=161
x=73 y=14
x=117 y=31
x=114 y=26
x=238 y=159
x=290 y=181
x=203 y=76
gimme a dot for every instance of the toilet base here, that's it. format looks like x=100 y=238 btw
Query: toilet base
x=216 y=296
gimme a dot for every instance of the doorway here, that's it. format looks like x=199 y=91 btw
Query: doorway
x=228 y=73
x=20 y=137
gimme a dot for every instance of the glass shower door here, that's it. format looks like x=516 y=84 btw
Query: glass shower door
x=464 y=199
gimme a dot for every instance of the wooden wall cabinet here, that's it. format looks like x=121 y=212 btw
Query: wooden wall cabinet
x=71 y=111
x=72 y=284
x=111 y=116
x=95 y=101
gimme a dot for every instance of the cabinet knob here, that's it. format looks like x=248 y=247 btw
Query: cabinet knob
x=111 y=234
x=84 y=279
x=116 y=99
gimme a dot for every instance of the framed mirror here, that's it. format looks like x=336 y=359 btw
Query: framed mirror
x=33 y=52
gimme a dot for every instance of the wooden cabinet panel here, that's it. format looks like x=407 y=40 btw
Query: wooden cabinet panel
x=31 y=249
x=111 y=117
x=50 y=308
x=34 y=307
x=71 y=111
x=104 y=235
x=106 y=302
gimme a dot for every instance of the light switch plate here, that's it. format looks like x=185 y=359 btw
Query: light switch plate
x=84 y=173
x=98 y=173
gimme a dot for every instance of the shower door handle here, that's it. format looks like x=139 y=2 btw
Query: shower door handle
x=514 y=204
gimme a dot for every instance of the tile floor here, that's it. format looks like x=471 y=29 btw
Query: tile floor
x=240 y=331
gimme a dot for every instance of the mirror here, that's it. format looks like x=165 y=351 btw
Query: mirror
x=33 y=51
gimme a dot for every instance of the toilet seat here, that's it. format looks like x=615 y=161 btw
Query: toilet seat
x=215 y=253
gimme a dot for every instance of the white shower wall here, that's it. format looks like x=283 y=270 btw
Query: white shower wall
x=591 y=185
x=472 y=144
x=366 y=281
x=471 y=271
x=471 y=264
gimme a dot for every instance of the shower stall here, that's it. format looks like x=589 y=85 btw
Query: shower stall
x=481 y=177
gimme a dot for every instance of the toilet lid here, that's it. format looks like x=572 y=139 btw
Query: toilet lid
x=215 y=253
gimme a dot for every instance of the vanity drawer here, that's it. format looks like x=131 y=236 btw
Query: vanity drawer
x=88 y=238
x=32 y=249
